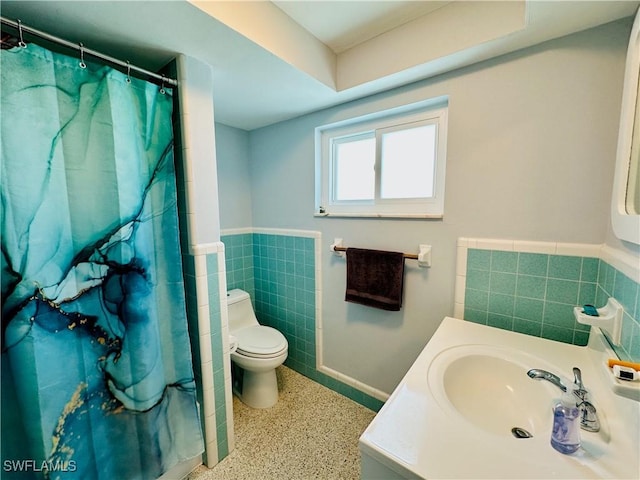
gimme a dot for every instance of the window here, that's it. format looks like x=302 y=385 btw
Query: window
x=389 y=164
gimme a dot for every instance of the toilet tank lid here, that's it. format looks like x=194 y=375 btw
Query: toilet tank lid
x=236 y=295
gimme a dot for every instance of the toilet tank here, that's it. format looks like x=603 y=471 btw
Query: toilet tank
x=240 y=310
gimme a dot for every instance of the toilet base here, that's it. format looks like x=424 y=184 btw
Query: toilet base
x=259 y=389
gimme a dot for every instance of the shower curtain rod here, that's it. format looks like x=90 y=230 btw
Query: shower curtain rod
x=22 y=28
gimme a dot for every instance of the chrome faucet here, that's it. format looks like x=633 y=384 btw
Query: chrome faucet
x=538 y=374
x=588 y=415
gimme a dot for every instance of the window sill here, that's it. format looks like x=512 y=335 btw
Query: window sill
x=430 y=216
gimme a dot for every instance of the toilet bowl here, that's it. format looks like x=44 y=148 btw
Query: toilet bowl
x=260 y=349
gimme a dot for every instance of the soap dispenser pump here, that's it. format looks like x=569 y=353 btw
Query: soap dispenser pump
x=565 y=436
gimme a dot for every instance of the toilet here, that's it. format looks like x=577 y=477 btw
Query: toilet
x=260 y=349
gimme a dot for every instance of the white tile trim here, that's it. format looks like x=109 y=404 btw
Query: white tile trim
x=525 y=246
x=212 y=453
x=318 y=313
x=206 y=366
x=204 y=324
x=211 y=440
x=236 y=231
x=202 y=290
x=548 y=248
x=622 y=261
x=494 y=244
x=290 y=232
x=272 y=231
x=199 y=253
x=222 y=293
x=200 y=264
x=374 y=392
x=206 y=248
x=208 y=399
x=228 y=401
x=579 y=250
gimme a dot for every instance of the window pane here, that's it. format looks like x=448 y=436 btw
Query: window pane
x=354 y=169
x=408 y=160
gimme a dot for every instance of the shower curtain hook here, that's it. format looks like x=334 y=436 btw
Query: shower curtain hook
x=162 y=86
x=21 y=42
x=82 y=64
x=128 y=79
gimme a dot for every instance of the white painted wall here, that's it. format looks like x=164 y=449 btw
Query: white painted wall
x=234 y=186
x=531 y=150
x=199 y=150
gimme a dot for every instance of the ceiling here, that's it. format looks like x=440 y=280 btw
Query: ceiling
x=341 y=25
x=273 y=61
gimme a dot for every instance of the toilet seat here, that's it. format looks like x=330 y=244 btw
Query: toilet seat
x=260 y=341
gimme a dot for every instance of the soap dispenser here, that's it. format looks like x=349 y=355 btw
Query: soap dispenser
x=565 y=436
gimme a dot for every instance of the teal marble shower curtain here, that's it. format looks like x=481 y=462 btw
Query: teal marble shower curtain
x=97 y=378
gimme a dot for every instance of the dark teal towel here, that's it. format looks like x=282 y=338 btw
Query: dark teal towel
x=375 y=278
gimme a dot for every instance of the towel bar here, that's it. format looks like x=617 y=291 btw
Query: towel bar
x=424 y=257
x=413 y=256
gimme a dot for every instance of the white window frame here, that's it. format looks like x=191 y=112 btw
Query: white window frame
x=430 y=112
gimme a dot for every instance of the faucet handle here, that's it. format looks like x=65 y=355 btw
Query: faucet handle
x=579 y=389
x=577 y=376
x=588 y=417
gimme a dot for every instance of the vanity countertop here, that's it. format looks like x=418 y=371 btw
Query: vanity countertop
x=418 y=435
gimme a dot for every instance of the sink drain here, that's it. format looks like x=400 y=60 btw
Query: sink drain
x=520 y=433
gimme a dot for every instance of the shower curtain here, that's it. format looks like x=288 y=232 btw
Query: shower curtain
x=97 y=379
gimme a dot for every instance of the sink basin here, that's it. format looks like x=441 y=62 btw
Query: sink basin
x=452 y=414
x=489 y=388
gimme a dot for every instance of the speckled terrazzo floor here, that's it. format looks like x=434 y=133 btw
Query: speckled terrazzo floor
x=311 y=433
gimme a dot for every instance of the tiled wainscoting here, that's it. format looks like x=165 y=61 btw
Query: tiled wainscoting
x=281 y=271
x=532 y=288
x=208 y=328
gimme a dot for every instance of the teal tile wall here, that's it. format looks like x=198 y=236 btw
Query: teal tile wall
x=282 y=276
x=535 y=294
x=530 y=293
x=285 y=293
x=239 y=262
x=613 y=283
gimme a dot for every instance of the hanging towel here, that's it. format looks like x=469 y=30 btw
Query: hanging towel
x=374 y=278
